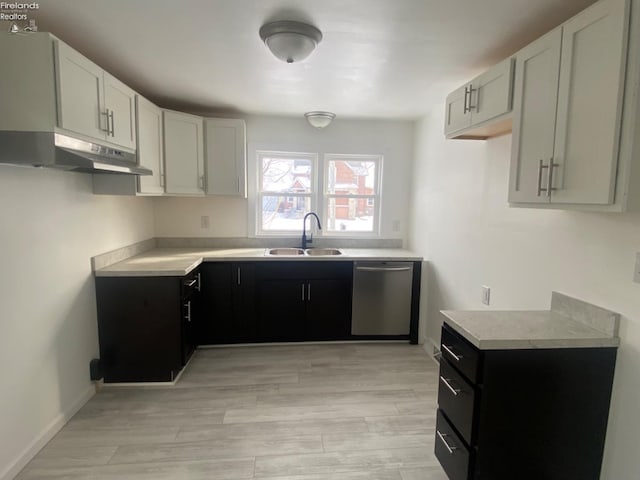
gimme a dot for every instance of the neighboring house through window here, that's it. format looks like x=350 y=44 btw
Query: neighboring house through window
x=348 y=202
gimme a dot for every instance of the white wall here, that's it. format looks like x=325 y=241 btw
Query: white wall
x=180 y=217
x=50 y=226
x=462 y=224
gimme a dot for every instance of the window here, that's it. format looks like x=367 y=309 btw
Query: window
x=285 y=190
x=348 y=202
x=352 y=193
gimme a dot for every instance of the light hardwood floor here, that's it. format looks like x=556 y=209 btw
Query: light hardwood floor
x=296 y=412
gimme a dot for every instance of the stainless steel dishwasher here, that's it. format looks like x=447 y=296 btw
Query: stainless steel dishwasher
x=381 y=298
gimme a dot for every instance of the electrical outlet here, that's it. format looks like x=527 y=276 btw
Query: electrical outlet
x=204 y=221
x=486 y=294
x=636 y=272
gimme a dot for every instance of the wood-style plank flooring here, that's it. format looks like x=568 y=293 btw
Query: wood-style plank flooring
x=296 y=412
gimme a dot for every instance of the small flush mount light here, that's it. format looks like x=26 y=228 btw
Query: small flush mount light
x=290 y=41
x=319 y=119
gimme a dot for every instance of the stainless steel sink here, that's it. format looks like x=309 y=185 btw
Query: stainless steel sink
x=288 y=252
x=322 y=251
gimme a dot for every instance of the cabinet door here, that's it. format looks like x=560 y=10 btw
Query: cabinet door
x=119 y=101
x=216 y=321
x=457 y=117
x=534 y=113
x=281 y=310
x=150 y=146
x=328 y=309
x=80 y=97
x=492 y=92
x=225 y=156
x=183 y=150
x=590 y=104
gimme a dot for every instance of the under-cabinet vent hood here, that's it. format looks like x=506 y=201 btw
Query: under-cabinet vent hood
x=61 y=151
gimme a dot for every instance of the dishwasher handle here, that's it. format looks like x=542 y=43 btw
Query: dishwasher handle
x=383 y=269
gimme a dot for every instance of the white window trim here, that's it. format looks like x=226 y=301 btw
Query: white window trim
x=318 y=192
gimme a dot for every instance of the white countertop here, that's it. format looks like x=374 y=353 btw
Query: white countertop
x=570 y=323
x=180 y=261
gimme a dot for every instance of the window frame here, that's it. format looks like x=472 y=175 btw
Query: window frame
x=377 y=159
x=260 y=194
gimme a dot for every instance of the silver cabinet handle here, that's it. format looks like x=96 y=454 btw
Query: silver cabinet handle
x=383 y=269
x=471 y=90
x=192 y=282
x=450 y=352
x=541 y=166
x=550 y=178
x=450 y=448
x=466 y=99
x=199 y=286
x=239 y=281
x=302 y=292
x=112 y=130
x=455 y=391
x=201 y=182
x=309 y=292
x=188 y=305
x=106 y=114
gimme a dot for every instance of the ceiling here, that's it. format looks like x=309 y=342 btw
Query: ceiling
x=390 y=59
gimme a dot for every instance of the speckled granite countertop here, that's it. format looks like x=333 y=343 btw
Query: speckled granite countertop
x=570 y=323
x=180 y=261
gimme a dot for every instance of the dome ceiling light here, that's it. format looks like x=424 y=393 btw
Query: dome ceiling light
x=319 y=119
x=290 y=41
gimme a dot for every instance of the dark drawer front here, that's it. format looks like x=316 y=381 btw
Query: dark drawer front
x=456 y=398
x=460 y=353
x=450 y=450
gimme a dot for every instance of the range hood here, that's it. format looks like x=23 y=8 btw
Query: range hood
x=62 y=151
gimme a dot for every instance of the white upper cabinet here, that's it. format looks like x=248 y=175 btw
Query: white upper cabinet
x=91 y=101
x=184 y=153
x=568 y=99
x=226 y=159
x=472 y=109
x=150 y=146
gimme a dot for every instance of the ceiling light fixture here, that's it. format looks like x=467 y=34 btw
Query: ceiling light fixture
x=290 y=41
x=319 y=119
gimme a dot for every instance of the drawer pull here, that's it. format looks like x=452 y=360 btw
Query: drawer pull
x=450 y=448
x=450 y=352
x=455 y=391
x=192 y=283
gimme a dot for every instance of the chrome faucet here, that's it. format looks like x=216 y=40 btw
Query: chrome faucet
x=305 y=241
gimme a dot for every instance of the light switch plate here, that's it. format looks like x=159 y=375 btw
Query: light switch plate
x=636 y=271
x=204 y=221
x=486 y=294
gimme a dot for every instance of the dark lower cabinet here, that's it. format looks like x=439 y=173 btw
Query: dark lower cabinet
x=145 y=326
x=307 y=301
x=526 y=414
x=227 y=310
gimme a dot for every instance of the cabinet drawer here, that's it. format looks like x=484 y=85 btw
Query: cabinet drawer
x=460 y=353
x=450 y=450
x=456 y=398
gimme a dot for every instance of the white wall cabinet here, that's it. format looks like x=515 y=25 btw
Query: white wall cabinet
x=150 y=152
x=91 y=101
x=184 y=153
x=472 y=110
x=225 y=157
x=568 y=99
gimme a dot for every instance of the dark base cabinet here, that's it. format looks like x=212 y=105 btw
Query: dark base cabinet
x=522 y=414
x=145 y=326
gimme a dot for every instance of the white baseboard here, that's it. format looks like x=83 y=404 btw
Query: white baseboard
x=45 y=435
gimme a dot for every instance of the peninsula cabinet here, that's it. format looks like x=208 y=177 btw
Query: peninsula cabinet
x=183 y=153
x=568 y=110
x=225 y=157
x=470 y=108
x=526 y=414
